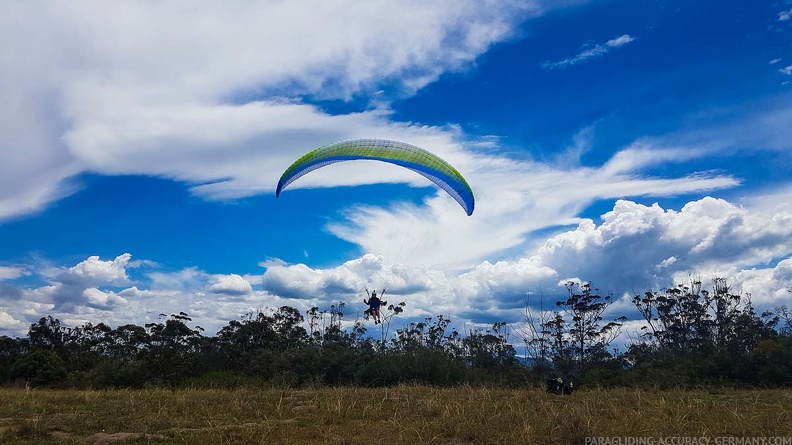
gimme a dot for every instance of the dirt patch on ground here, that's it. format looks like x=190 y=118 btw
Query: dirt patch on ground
x=106 y=438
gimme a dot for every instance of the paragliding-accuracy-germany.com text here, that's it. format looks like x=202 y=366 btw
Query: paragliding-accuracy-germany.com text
x=681 y=440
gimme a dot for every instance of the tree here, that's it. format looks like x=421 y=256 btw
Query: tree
x=688 y=319
x=428 y=334
x=677 y=317
x=325 y=324
x=489 y=349
x=127 y=342
x=536 y=334
x=48 y=334
x=423 y=352
x=588 y=337
x=387 y=317
x=39 y=367
x=697 y=335
x=172 y=353
x=263 y=343
x=10 y=350
x=86 y=346
x=784 y=314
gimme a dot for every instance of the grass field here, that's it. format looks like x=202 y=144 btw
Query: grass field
x=400 y=415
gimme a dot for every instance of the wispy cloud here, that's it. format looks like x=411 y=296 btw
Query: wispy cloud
x=589 y=51
x=783 y=16
x=786 y=70
x=133 y=78
x=10 y=272
x=522 y=197
x=774 y=61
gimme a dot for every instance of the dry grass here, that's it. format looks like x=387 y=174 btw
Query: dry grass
x=401 y=415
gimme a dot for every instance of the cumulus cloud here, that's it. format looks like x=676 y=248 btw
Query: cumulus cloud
x=135 y=293
x=106 y=300
x=786 y=70
x=634 y=248
x=302 y=282
x=212 y=299
x=67 y=289
x=233 y=285
x=348 y=280
x=94 y=271
x=779 y=199
x=766 y=286
x=589 y=51
x=639 y=245
x=71 y=289
x=9 y=325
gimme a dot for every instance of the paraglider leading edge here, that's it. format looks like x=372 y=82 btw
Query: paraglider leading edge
x=399 y=153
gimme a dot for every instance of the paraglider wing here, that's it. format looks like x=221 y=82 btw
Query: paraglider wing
x=403 y=154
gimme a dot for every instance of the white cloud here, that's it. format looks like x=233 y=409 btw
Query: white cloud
x=746 y=127
x=232 y=284
x=582 y=143
x=776 y=200
x=635 y=243
x=516 y=197
x=106 y=300
x=135 y=293
x=10 y=325
x=635 y=248
x=589 y=51
x=213 y=300
x=177 y=90
x=10 y=272
x=71 y=288
x=774 y=61
x=786 y=70
x=301 y=282
x=93 y=272
x=768 y=287
x=784 y=15
x=202 y=91
x=620 y=41
x=643 y=154
x=187 y=280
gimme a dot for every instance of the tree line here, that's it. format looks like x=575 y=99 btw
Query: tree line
x=692 y=336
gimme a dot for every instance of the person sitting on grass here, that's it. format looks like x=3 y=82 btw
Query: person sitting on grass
x=558 y=385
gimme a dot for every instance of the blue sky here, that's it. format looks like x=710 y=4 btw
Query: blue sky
x=630 y=143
